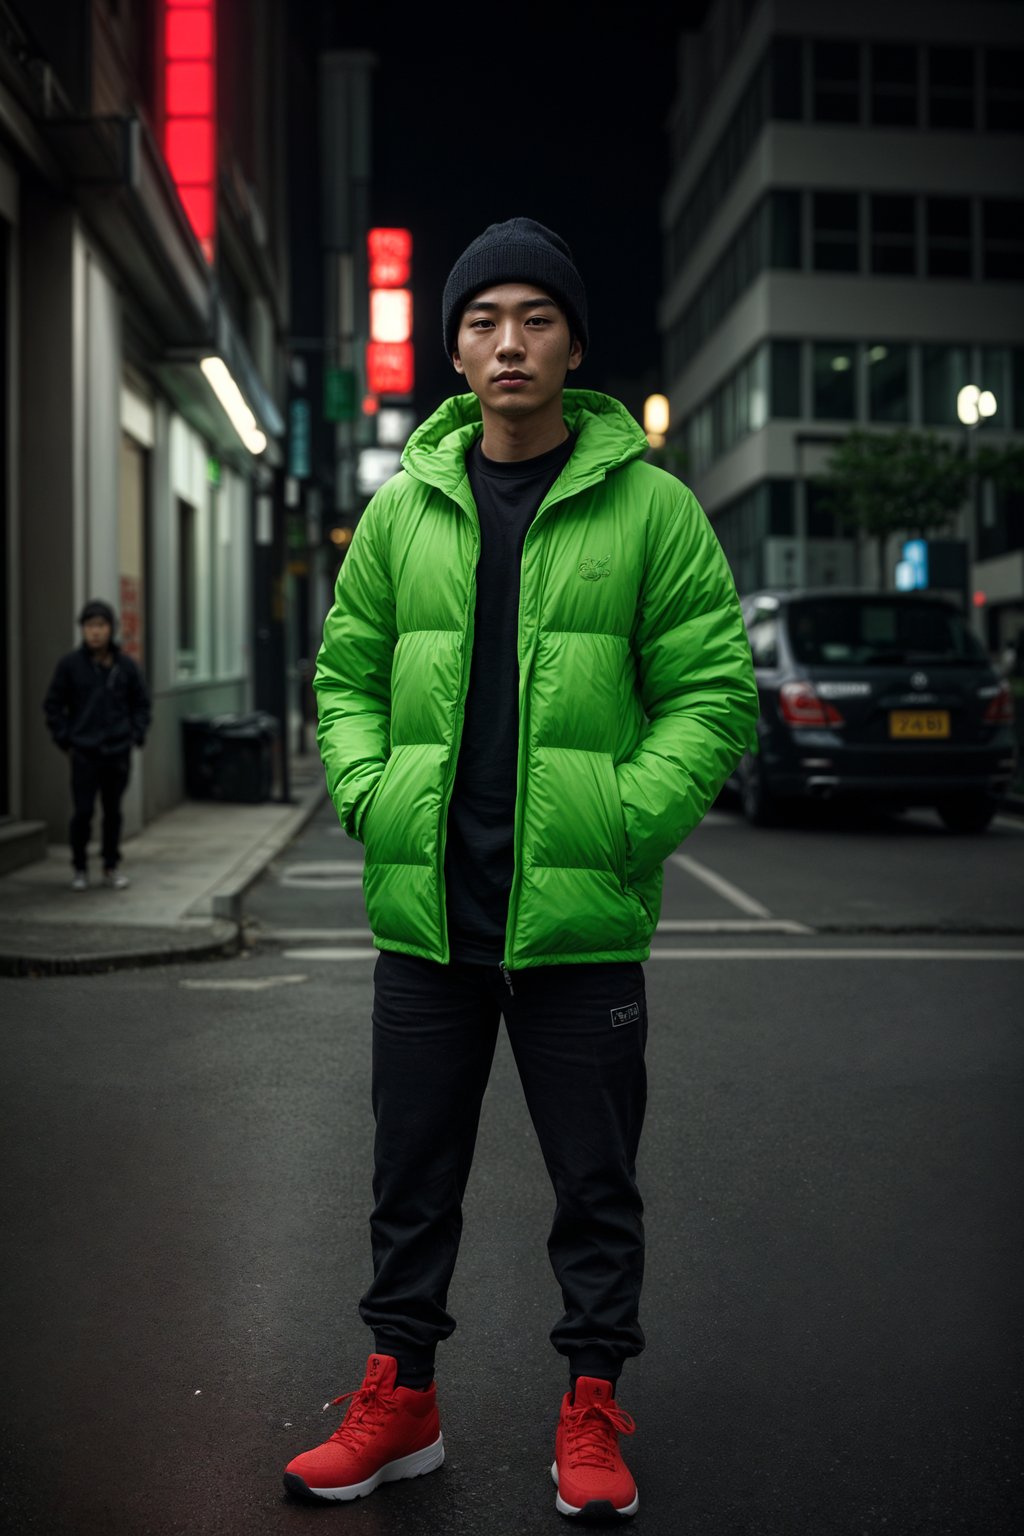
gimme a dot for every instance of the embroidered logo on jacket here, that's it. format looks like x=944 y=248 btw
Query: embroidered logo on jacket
x=593 y=570
x=627 y=1015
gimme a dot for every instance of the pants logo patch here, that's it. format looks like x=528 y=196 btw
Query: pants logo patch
x=627 y=1015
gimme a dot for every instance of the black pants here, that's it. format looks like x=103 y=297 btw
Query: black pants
x=92 y=773
x=578 y=1034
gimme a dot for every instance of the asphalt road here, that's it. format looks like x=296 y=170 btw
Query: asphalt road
x=834 y=1227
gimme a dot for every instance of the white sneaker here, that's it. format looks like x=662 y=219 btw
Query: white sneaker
x=115 y=881
x=80 y=880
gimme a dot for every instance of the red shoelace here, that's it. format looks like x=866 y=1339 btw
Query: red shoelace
x=366 y=1412
x=591 y=1434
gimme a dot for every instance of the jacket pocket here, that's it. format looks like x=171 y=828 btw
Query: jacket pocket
x=616 y=821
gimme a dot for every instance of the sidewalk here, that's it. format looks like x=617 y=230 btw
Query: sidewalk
x=189 y=870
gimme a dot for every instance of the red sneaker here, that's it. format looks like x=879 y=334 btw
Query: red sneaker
x=388 y=1433
x=588 y=1469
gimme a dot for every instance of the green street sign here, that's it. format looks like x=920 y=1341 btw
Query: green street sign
x=340 y=394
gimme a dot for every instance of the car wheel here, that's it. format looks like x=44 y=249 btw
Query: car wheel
x=759 y=804
x=967 y=813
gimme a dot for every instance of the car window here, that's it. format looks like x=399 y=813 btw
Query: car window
x=875 y=631
x=764 y=642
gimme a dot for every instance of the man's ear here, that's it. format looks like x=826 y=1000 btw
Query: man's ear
x=575 y=354
x=457 y=363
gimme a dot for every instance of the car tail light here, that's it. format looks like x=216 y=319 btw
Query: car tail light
x=800 y=704
x=999 y=711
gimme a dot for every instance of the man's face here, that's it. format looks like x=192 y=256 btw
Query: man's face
x=96 y=633
x=514 y=348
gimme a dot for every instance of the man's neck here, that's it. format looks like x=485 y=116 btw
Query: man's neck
x=507 y=440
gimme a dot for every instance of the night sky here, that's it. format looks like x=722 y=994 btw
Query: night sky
x=483 y=113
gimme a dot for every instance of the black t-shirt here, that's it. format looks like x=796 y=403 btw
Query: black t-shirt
x=479 y=851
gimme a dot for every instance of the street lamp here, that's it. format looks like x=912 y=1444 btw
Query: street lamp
x=974 y=405
x=656 y=420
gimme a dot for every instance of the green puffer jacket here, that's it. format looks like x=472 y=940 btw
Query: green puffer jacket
x=636 y=689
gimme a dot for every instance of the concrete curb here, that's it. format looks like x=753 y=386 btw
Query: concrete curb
x=220 y=941
x=226 y=902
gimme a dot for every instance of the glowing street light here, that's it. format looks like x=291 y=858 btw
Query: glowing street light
x=974 y=404
x=656 y=419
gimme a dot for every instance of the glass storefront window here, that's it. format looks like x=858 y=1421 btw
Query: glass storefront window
x=944 y=372
x=834 y=385
x=892 y=235
x=888 y=365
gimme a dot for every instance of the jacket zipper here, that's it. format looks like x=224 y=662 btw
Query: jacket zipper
x=460 y=708
x=524 y=682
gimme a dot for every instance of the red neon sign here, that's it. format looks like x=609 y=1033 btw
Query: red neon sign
x=190 y=120
x=390 y=253
x=389 y=367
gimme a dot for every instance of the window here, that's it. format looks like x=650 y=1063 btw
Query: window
x=764 y=641
x=948 y=221
x=836 y=82
x=836 y=231
x=822 y=522
x=888 y=382
x=188 y=629
x=892 y=235
x=833 y=381
x=780 y=508
x=787 y=93
x=893 y=86
x=784 y=238
x=1004 y=90
x=785 y=378
x=995 y=374
x=1003 y=238
x=944 y=372
x=950 y=88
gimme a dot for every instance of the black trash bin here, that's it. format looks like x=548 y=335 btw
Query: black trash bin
x=229 y=757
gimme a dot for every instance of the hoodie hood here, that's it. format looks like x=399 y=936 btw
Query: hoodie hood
x=608 y=437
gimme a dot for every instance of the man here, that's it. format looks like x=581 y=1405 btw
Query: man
x=533 y=682
x=97 y=709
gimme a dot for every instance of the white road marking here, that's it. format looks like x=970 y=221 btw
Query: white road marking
x=667 y=925
x=721 y=886
x=837 y=954
x=725 y=953
x=323 y=875
x=731 y=925
x=330 y=954
x=243 y=984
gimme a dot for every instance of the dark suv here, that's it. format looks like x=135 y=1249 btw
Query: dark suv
x=887 y=695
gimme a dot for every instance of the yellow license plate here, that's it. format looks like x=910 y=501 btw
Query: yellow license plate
x=919 y=724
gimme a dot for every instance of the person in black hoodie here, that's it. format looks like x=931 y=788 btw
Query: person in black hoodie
x=97 y=709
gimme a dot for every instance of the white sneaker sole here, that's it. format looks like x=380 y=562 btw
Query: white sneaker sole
x=603 y=1506
x=414 y=1465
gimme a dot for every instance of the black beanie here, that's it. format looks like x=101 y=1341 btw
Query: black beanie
x=523 y=251
x=96 y=608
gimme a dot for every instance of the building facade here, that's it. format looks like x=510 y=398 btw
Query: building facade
x=142 y=219
x=844 y=247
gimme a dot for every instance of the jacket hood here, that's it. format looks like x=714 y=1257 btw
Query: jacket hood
x=608 y=437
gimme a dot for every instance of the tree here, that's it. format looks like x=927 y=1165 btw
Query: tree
x=896 y=482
